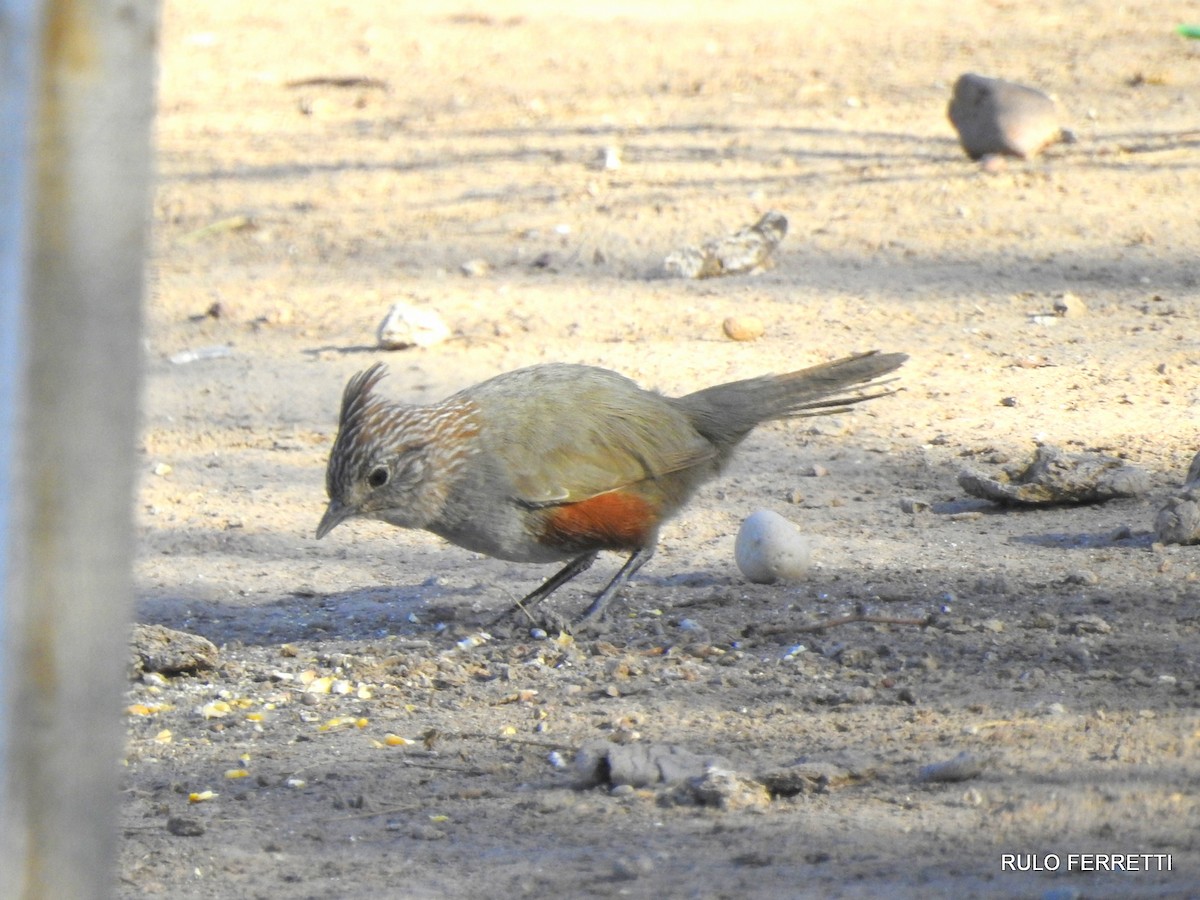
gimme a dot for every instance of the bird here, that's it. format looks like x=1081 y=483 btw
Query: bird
x=560 y=461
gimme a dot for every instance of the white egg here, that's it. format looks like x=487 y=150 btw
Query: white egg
x=769 y=548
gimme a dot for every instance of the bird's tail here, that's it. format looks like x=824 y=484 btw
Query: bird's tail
x=727 y=412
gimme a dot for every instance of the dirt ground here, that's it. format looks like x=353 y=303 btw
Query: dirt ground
x=292 y=211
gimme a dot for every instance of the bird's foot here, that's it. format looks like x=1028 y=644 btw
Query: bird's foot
x=520 y=619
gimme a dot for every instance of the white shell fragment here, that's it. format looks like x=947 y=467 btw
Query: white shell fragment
x=769 y=548
x=411 y=326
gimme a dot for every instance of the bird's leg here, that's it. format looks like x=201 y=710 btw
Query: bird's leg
x=549 y=586
x=631 y=566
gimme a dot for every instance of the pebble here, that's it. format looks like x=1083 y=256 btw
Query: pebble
x=185 y=826
x=632 y=869
x=1069 y=306
x=1193 y=470
x=608 y=159
x=747 y=250
x=744 y=328
x=769 y=548
x=475 y=268
x=1090 y=624
x=1062 y=893
x=965 y=766
x=912 y=505
x=183 y=357
x=1178 y=522
x=993 y=116
x=411 y=326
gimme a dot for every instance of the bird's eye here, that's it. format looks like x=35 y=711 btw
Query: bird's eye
x=378 y=477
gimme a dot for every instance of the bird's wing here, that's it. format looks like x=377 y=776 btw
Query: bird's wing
x=567 y=433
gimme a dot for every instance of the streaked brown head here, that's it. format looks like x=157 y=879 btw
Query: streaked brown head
x=385 y=460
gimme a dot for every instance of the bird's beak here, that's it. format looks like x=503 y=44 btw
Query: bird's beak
x=335 y=515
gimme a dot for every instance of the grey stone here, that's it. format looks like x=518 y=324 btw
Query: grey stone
x=993 y=116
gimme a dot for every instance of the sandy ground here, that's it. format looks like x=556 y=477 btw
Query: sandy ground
x=1063 y=655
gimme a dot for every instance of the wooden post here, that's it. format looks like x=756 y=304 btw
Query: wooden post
x=77 y=83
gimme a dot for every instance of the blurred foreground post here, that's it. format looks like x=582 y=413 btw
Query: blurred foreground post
x=76 y=103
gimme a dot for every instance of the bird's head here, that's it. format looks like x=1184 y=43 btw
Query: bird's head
x=380 y=466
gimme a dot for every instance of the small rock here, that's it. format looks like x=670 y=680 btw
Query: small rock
x=638 y=765
x=858 y=695
x=608 y=159
x=745 y=251
x=729 y=790
x=809 y=778
x=1084 y=577
x=1193 y=470
x=156 y=648
x=965 y=766
x=1069 y=306
x=162 y=470
x=912 y=505
x=744 y=328
x=183 y=357
x=1057 y=477
x=632 y=869
x=185 y=826
x=815 y=471
x=426 y=833
x=993 y=163
x=475 y=268
x=769 y=547
x=993 y=116
x=1043 y=620
x=411 y=326
x=1178 y=522
x=281 y=314
x=1090 y=624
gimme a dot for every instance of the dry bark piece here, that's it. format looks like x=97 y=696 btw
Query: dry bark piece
x=185 y=826
x=1057 y=477
x=747 y=250
x=993 y=116
x=156 y=648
